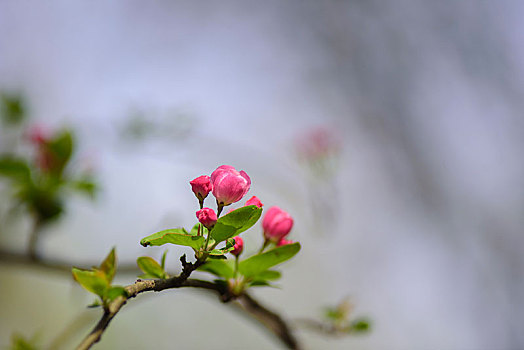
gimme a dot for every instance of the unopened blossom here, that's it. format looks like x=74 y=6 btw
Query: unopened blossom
x=229 y=185
x=207 y=217
x=238 y=247
x=254 y=201
x=201 y=186
x=276 y=224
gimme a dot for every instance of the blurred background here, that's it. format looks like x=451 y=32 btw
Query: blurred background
x=391 y=131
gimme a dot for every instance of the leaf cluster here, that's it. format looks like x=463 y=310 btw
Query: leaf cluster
x=98 y=280
x=42 y=190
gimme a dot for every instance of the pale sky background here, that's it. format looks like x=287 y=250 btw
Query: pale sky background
x=421 y=224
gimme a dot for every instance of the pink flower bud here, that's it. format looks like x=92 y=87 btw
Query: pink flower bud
x=238 y=247
x=207 y=217
x=276 y=224
x=283 y=242
x=201 y=186
x=229 y=185
x=254 y=201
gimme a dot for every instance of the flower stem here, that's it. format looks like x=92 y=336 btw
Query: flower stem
x=266 y=242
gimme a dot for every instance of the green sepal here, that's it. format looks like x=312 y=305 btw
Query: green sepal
x=176 y=236
x=163 y=260
x=253 y=266
x=150 y=267
x=235 y=222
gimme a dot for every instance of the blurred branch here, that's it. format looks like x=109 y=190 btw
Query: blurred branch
x=23 y=259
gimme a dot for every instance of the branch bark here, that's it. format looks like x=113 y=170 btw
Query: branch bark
x=133 y=290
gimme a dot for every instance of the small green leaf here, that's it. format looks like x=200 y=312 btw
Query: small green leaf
x=93 y=281
x=150 y=267
x=360 y=326
x=108 y=266
x=256 y=264
x=86 y=187
x=96 y=303
x=334 y=314
x=114 y=292
x=19 y=342
x=235 y=222
x=174 y=236
x=218 y=268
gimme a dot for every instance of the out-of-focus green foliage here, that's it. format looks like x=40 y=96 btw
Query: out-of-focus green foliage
x=19 y=342
x=41 y=182
x=12 y=108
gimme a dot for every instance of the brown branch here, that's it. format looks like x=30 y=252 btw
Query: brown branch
x=133 y=290
x=23 y=259
x=274 y=322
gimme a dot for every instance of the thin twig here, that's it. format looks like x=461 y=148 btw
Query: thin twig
x=23 y=259
x=274 y=322
x=133 y=290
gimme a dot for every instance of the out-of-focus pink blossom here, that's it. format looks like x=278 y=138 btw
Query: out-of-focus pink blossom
x=201 y=186
x=238 y=247
x=284 y=242
x=229 y=185
x=207 y=217
x=37 y=135
x=318 y=142
x=276 y=224
x=254 y=201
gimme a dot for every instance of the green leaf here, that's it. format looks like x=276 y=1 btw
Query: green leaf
x=360 y=326
x=114 y=292
x=62 y=146
x=174 y=236
x=334 y=314
x=12 y=108
x=150 y=267
x=256 y=264
x=218 y=268
x=86 y=187
x=108 y=266
x=235 y=222
x=14 y=168
x=93 y=281
x=268 y=275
